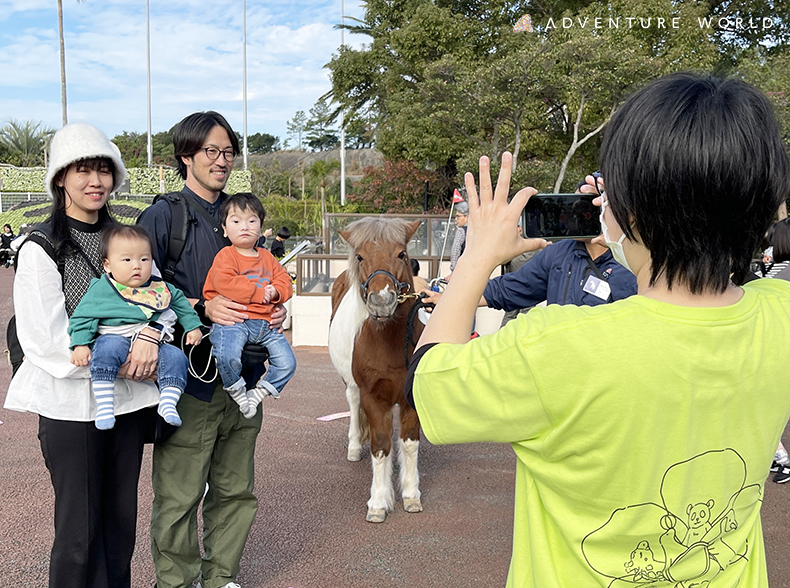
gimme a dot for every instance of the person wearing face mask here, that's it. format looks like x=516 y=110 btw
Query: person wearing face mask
x=643 y=429
x=581 y=272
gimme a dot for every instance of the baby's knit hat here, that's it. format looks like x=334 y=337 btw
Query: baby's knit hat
x=76 y=142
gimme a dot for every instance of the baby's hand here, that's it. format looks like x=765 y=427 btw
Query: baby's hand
x=194 y=336
x=81 y=355
x=269 y=293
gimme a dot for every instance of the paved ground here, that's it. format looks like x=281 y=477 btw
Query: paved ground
x=310 y=530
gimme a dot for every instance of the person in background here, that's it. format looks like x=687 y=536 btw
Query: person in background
x=420 y=284
x=512 y=266
x=94 y=473
x=779 y=240
x=6 y=253
x=278 y=245
x=459 y=241
x=643 y=429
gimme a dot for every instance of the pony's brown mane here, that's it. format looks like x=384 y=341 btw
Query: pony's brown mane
x=373 y=229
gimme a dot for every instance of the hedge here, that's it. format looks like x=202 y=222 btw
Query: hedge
x=142 y=180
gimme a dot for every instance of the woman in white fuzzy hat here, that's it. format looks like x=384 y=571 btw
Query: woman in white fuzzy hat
x=94 y=473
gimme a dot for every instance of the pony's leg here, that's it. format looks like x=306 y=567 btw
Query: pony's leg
x=409 y=444
x=382 y=496
x=354 y=429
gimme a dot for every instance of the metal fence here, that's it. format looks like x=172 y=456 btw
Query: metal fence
x=10 y=199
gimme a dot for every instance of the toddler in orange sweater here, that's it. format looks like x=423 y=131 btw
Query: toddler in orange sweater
x=251 y=276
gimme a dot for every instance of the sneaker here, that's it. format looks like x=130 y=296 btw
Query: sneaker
x=775 y=466
x=228 y=585
x=783 y=475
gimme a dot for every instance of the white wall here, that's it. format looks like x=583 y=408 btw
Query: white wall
x=310 y=320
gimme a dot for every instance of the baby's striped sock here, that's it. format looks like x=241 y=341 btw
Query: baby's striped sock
x=104 y=392
x=239 y=395
x=168 y=398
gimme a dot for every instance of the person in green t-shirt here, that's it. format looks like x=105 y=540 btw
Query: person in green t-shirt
x=643 y=429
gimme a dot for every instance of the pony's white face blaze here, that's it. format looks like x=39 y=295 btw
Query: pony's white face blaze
x=380 y=291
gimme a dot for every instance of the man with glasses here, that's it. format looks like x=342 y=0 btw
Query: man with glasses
x=215 y=445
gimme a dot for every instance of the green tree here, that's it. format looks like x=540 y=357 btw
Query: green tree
x=319 y=135
x=133 y=147
x=25 y=142
x=296 y=127
x=448 y=80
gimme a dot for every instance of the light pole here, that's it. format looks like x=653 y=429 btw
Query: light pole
x=244 y=77
x=342 y=127
x=150 y=148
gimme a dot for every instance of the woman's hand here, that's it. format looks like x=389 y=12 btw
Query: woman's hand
x=143 y=357
x=492 y=237
x=224 y=311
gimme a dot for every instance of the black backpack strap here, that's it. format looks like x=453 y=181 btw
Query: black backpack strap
x=40 y=235
x=181 y=206
x=179 y=227
x=215 y=224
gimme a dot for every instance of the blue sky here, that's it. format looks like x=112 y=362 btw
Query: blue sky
x=196 y=60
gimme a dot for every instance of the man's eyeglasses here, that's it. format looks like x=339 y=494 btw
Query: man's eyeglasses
x=213 y=153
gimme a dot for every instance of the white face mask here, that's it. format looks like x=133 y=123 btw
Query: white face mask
x=616 y=247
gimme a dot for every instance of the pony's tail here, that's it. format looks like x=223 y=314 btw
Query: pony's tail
x=364 y=426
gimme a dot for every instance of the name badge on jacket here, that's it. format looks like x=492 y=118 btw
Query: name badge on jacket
x=597 y=287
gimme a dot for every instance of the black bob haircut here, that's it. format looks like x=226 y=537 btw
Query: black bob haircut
x=242 y=201
x=284 y=233
x=190 y=133
x=695 y=168
x=779 y=238
x=119 y=231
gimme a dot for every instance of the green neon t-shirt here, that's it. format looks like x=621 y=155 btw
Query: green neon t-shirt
x=644 y=432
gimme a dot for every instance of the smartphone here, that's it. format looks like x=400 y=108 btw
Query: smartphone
x=561 y=216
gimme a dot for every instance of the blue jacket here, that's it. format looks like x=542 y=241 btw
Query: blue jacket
x=557 y=275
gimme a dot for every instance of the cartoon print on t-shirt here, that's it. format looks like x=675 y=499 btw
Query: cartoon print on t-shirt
x=689 y=537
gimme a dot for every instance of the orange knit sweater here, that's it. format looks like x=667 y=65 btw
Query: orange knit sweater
x=242 y=279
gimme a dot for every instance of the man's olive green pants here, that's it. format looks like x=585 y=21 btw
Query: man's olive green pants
x=214 y=445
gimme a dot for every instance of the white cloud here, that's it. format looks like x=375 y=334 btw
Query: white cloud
x=196 y=61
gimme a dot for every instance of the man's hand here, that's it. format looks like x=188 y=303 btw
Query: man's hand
x=224 y=311
x=278 y=318
x=81 y=355
x=430 y=296
x=194 y=337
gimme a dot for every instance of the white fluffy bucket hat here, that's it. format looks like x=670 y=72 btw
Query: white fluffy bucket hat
x=76 y=142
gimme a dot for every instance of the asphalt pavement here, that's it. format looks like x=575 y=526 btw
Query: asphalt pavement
x=310 y=530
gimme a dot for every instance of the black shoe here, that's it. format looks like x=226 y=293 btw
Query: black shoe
x=775 y=466
x=783 y=475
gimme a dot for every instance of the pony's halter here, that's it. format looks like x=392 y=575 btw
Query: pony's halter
x=401 y=287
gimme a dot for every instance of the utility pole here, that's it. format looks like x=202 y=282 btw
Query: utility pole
x=244 y=77
x=342 y=126
x=150 y=148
